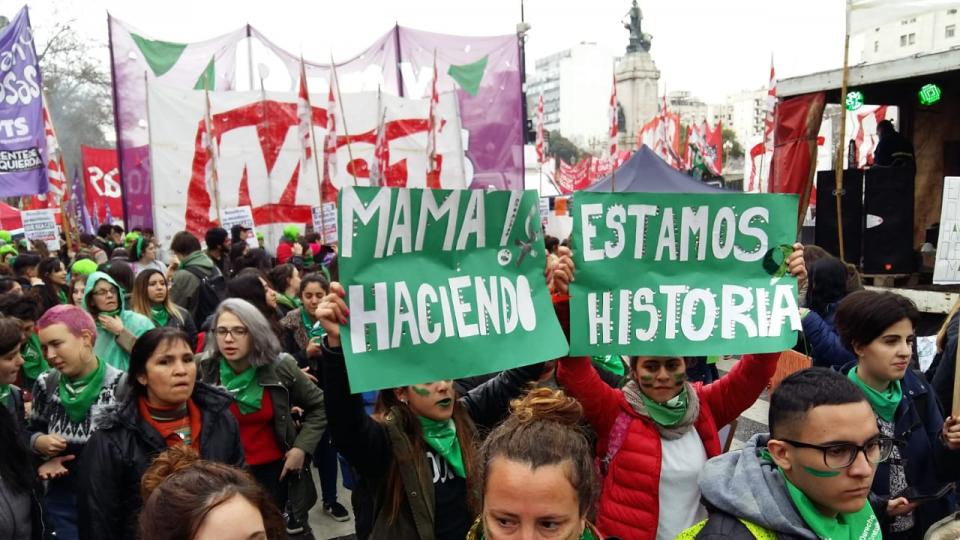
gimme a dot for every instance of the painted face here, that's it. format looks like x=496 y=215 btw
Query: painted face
x=77 y=293
x=271 y=294
x=431 y=400
x=834 y=490
x=530 y=503
x=157 y=288
x=170 y=374
x=10 y=366
x=294 y=282
x=69 y=354
x=59 y=277
x=660 y=378
x=105 y=296
x=234 y=519
x=313 y=293
x=233 y=338
x=887 y=357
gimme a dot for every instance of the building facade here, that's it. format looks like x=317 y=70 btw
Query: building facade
x=933 y=31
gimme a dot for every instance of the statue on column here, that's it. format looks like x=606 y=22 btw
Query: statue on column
x=639 y=40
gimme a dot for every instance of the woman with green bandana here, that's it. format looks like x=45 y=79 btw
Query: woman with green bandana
x=535 y=473
x=143 y=254
x=289 y=250
x=151 y=298
x=54 y=276
x=656 y=434
x=243 y=355
x=285 y=280
x=26 y=309
x=414 y=457
x=66 y=402
x=8 y=254
x=878 y=328
x=117 y=327
x=11 y=396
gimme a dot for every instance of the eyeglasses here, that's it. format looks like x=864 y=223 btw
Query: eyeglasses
x=104 y=292
x=235 y=332
x=842 y=455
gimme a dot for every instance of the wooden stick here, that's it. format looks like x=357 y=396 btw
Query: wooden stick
x=955 y=410
x=838 y=159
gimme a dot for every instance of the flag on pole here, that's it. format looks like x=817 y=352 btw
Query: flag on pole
x=769 y=120
x=210 y=144
x=757 y=180
x=328 y=190
x=56 y=194
x=541 y=151
x=613 y=123
x=381 y=150
x=433 y=158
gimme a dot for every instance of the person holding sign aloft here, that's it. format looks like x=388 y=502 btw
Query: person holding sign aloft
x=415 y=456
x=914 y=486
x=657 y=433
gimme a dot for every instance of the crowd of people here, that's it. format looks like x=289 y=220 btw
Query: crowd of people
x=189 y=391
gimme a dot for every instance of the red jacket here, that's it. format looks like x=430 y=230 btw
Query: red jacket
x=629 y=504
x=284 y=251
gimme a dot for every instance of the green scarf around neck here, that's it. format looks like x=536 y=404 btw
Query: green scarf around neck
x=244 y=387
x=670 y=413
x=313 y=329
x=62 y=296
x=5 y=394
x=441 y=435
x=34 y=364
x=884 y=403
x=288 y=301
x=114 y=313
x=159 y=315
x=77 y=396
x=861 y=524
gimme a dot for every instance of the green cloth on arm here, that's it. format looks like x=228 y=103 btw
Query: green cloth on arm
x=670 y=413
x=611 y=363
x=244 y=387
x=884 y=403
x=442 y=437
x=291 y=302
x=5 y=394
x=313 y=329
x=855 y=526
x=159 y=315
x=77 y=396
x=34 y=364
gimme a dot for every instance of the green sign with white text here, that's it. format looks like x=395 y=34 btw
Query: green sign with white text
x=442 y=284
x=682 y=274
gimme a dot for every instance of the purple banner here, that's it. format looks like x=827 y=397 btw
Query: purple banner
x=23 y=143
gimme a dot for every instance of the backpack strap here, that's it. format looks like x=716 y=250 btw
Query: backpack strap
x=757 y=531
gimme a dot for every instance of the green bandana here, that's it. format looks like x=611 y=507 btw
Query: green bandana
x=5 y=394
x=114 y=313
x=160 y=315
x=313 y=329
x=611 y=363
x=858 y=525
x=62 y=296
x=670 y=413
x=244 y=387
x=34 y=364
x=291 y=302
x=77 y=396
x=884 y=403
x=442 y=437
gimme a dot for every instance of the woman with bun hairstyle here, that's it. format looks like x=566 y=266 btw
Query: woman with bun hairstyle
x=164 y=406
x=187 y=498
x=535 y=472
x=414 y=456
x=151 y=298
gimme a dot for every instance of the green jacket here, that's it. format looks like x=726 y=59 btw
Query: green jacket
x=183 y=290
x=115 y=349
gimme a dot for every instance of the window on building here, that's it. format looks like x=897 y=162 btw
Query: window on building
x=912 y=38
x=950 y=31
x=913 y=19
x=951 y=12
x=903 y=40
x=903 y=22
x=876 y=46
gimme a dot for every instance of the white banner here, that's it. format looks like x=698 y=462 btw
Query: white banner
x=325 y=220
x=946 y=269
x=41 y=225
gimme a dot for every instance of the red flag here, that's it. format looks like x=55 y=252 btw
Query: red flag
x=328 y=190
x=713 y=147
x=101 y=179
x=613 y=123
x=541 y=154
x=433 y=160
x=56 y=195
x=793 y=167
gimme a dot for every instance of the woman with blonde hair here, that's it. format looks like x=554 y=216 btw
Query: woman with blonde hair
x=151 y=297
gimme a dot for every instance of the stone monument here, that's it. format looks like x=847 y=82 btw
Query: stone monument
x=637 y=77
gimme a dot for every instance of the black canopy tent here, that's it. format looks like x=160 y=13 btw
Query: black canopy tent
x=645 y=171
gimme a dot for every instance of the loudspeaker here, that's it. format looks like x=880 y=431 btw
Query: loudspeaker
x=851 y=203
x=888 y=221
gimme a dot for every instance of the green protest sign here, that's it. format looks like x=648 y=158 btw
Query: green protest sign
x=442 y=284
x=682 y=274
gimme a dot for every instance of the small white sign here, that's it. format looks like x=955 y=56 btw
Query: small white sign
x=946 y=269
x=41 y=225
x=544 y=209
x=241 y=215
x=325 y=222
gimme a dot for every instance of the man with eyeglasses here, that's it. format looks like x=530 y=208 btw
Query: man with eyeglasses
x=809 y=477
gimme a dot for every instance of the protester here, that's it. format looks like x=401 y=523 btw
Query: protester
x=944 y=367
x=261 y=241
x=878 y=327
x=415 y=456
x=826 y=286
x=143 y=255
x=285 y=281
x=246 y=359
x=11 y=396
x=809 y=477
x=194 y=267
x=65 y=402
x=89 y=244
x=25 y=268
x=257 y=259
x=104 y=238
x=535 y=473
x=54 y=276
x=83 y=267
x=22 y=516
x=78 y=286
x=239 y=233
x=288 y=246
x=151 y=298
x=8 y=254
x=122 y=273
x=10 y=285
x=211 y=501
x=658 y=431
x=893 y=149
x=250 y=286
x=218 y=247
x=117 y=327
x=25 y=309
x=237 y=251
x=164 y=406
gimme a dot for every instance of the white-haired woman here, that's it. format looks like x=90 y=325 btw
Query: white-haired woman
x=245 y=358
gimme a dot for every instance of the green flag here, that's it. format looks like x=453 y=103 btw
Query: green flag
x=207 y=79
x=468 y=76
x=160 y=55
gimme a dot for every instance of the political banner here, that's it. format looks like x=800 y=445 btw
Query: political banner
x=101 y=181
x=41 y=225
x=442 y=284
x=682 y=274
x=241 y=215
x=23 y=146
x=325 y=222
x=259 y=154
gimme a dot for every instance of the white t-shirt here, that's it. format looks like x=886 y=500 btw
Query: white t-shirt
x=680 y=466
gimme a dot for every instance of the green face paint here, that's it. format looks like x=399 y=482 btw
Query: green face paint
x=422 y=392
x=821 y=474
x=679 y=377
x=646 y=378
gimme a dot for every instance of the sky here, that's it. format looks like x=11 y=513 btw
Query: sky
x=712 y=48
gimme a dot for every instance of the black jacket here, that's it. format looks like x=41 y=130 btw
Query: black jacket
x=722 y=525
x=119 y=452
x=944 y=366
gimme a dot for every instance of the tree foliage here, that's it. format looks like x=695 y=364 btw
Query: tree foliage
x=560 y=147
x=733 y=150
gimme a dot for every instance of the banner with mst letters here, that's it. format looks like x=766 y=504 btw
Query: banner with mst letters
x=442 y=284
x=682 y=274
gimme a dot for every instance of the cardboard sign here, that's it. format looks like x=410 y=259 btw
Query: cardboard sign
x=946 y=269
x=41 y=225
x=325 y=220
x=442 y=284
x=241 y=215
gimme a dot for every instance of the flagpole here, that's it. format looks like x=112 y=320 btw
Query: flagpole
x=313 y=147
x=343 y=115
x=838 y=158
x=250 y=57
x=213 y=155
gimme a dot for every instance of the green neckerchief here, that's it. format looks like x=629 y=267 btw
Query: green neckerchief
x=244 y=387
x=442 y=437
x=77 y=396
x=114 y=313
x=609 y=362
x=884 y=403
x=861 y=524
x=5 y=394
x=670 y=413
x=159 y=315
x=34 y=364
x=62 y=296
x=291 y=302
x=313 y=329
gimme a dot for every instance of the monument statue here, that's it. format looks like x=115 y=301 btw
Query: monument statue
x=639 y=40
